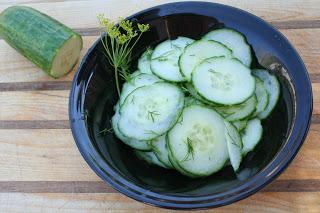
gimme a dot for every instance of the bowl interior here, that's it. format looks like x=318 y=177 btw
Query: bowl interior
x=100 y=97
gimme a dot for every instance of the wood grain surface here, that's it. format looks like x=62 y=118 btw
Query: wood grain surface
x=41 y=167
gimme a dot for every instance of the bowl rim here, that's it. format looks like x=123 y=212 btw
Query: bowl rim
x=281 y=160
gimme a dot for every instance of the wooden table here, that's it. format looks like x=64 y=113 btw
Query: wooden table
x=41 y=170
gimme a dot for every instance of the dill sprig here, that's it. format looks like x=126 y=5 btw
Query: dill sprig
x=149 y=53
x=105 y=131
x=151 y=132
x=184 y=89
x=233 y=141
x=85 y=115
x=118 y=44
x=152 y=114
x=190 y=150
x=164 y=56
x=180 y=120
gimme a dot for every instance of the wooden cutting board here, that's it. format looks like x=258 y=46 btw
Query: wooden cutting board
x=41 y=169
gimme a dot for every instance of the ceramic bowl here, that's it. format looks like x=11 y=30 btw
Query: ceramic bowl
x=93 y=96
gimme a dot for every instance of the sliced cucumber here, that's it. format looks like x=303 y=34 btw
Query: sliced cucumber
x=150 y=111
x=160 y=150
x=240 y=111
x=150 y=158
x=262 y=97
x=175 y=165
x=145 y=61
x=251 y=135
x=235 y=41
x=223 y=81
x=197 y=52
x=271 y=84
x=136 y=144
x=165 y=57
x=137 y=80
x=198 y=142
x=240 y=125
x=234 y=144
x=195 y=94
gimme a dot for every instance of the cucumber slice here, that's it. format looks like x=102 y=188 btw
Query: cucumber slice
x=145 y=61
x=50 y=45
x=197 y=52
x=271 y=84
x=159 y=148
x=251 y=135
x=150 y=111
x=137 y=80
x=198 y=141
x=165 y=57
x=262 y=97
x=223 y=81
x=234 y=144
x=240 y=111
x=235 y=41
x=240 y=125
x=175 y=165
x=150 y=158
x=136 y=144
x=195 y=94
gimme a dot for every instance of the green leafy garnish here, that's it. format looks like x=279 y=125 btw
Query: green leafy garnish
x=233 y=140
x=132 y=99
x=180 y=121
x=152 y=114
x=184 y=89
x=151 y=132
x=149 y=53
x=164 y=56
x=118 y=44
x=190 y=150
x=105 y=131
x=85 y=115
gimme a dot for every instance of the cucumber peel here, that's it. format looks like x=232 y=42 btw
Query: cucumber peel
x=50 y=45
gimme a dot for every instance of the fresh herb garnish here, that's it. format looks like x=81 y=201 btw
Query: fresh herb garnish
x=180 y=120
x=213 y=71
x=132 y=99
x=151 y=132
x=164 y=56
x=190 y=150
x=85 y=115
x=184 y=89
x=175 y=46
x=118 y=45
x=105 y=131
x=149 y=53
x=233 y=141
x=152 y=114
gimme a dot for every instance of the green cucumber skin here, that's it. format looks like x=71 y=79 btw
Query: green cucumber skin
x=35 y=35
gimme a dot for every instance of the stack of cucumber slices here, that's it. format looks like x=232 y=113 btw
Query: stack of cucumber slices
x=196 y=106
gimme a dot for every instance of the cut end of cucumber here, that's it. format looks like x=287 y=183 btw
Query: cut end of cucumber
x=66 y=57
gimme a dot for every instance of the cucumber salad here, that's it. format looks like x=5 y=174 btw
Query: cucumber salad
x=196 y=106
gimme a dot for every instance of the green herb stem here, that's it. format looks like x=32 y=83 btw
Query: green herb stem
x=119 y=49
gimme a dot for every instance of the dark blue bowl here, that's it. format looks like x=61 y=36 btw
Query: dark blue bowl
x=93 y=96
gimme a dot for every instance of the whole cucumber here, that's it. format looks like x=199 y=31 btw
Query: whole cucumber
x=50 y=45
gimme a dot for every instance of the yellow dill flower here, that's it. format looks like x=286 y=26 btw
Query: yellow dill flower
x=123 y=38
x=143 y=27
x=116 y=48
